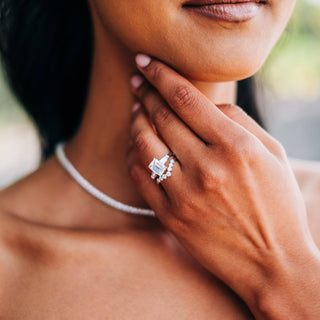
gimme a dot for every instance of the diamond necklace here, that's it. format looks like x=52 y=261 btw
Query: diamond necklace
x=85 y=184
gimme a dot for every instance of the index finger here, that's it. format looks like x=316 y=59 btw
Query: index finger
x=191 y=105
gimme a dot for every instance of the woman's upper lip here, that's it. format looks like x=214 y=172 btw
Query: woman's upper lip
x=208 y=2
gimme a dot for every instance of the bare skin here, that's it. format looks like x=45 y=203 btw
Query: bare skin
x=236 y=205
x=119 y=273
x=65 y=255
x=74 y=257
x=54 y=272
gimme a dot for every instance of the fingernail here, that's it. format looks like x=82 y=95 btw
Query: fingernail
x=136 y=81
x=142 y=60
x=136 y=106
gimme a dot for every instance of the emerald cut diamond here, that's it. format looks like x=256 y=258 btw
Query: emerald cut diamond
x=157 y=167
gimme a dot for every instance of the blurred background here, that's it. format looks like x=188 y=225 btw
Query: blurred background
x=288 y=94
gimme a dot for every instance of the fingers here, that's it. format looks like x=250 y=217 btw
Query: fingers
x=176 y=134
x=207 y=121
x=149 y=146
x=238 y=115
x=194 y=108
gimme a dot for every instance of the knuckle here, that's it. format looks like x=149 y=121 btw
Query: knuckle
x=278 y=149
x=208 y=178
x=184 y=97
x=244 y=148
x=161 y=114
x=141 y=141
x=247 y=152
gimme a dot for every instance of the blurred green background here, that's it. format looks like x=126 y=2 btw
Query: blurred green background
x=289 y=84
x=288 y=92
x=293 y=68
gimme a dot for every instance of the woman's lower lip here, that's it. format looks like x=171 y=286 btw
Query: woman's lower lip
x=230 y=12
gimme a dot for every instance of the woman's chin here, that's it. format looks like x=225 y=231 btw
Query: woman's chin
x=217 y=70
x=217 y=75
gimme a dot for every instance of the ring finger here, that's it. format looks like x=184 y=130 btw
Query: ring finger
x=149 y=146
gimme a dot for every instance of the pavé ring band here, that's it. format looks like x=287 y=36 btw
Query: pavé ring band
x=167 y=174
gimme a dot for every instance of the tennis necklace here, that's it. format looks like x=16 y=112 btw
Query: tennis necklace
x=85 y=184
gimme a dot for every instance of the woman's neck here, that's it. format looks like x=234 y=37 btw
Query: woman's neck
x=99 y=148
x=98 y=151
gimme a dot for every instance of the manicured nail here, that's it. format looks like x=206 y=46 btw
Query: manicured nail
x=136 y=106
x=136 y=81
x=142 y=60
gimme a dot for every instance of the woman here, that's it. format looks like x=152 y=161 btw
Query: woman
x=230 y=239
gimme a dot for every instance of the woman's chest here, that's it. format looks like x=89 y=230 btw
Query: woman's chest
x=125 y=291
x=134 y=301
x=125 y=279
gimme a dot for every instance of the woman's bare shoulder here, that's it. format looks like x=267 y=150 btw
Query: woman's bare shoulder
x=21 y=241
x=305 y=168
x=13 y=237
x=7 y=227
x=23 y=249
x=10 y=262
x=307 y=174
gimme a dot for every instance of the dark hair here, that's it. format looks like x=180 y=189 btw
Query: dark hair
x=247 y=99
x=46 y=49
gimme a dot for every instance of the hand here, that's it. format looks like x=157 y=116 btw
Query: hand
x=232 y=200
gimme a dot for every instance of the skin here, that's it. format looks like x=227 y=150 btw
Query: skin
x=65 y=255
x=263 y=228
